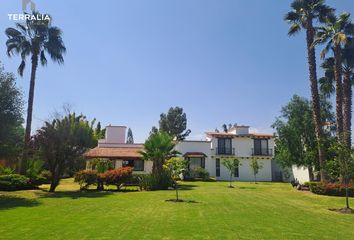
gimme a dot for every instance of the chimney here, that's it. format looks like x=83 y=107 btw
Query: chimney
x=241 y=129
x=115 y=134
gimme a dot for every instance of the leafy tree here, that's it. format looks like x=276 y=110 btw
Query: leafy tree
x=255 y=167
x=174 y=123
x=158 y=148
x=62 y=142
x=176 y=166
x=11 y=107
x=35 y=38
x=130 y=138
x=335 y=35
x=296 y=137
x=303 y=15
x=231 y=164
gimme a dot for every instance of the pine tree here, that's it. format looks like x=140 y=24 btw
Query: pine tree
x=130 y=138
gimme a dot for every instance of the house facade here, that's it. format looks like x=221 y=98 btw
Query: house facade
x=208 y=154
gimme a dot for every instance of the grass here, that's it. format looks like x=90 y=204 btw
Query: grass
x=248 y=211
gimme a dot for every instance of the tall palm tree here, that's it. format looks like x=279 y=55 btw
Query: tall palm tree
x=303 y=15
x=328 y=81
x=34 y=39
x=158 y=148
x=335 y=35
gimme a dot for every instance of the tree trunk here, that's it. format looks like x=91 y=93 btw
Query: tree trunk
x=54 y=183
x=316 y=107
x=230 y=180
x=347 y=107
x=339 y=91
x=23 y=161
x=176 y=187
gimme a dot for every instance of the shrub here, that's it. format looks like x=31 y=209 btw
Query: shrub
x=199 y=173
x=13 y=182
x=86 y=178
x=6 y=170
x=117 y=176
x=331 y=189
x=154 y=181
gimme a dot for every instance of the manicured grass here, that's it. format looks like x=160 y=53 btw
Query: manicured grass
x=249 y=211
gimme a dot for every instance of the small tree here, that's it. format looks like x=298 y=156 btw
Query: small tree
x=255 y=167
x=175 y=166
x=231 y=165
x=345 y=159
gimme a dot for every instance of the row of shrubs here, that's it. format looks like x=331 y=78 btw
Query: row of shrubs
x=331 y=189
x=13 y=182
x=123 y=176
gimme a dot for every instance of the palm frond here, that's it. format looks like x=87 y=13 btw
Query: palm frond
x=12 y=32
x=295 y=28
x=43 y=58
x=21 y=68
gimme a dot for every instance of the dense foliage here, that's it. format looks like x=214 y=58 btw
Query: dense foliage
x=11 y=107
x=13 y=182
x=158 y=148
x=174 y=123
x=61 y=144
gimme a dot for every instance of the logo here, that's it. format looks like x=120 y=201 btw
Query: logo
x=25 y=3
x=35 y=17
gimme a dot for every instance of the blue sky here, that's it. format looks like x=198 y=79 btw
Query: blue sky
x=225 y=61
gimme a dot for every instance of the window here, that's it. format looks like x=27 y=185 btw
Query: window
x=138 y=164
x=217 y=167
x=260 y=147
x=196 y=162
x=224 y=146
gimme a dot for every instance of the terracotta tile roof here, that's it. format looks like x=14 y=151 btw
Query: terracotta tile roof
x=113 y=152
x=196 y=154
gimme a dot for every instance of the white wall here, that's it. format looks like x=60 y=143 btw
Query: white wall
x=301 y=174
x=115 y=134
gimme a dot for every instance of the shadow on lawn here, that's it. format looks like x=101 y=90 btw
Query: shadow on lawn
x=186 y=186
x=247 y=188
x=75 y=195
x=8 y=202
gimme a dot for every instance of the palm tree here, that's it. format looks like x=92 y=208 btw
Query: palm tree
x=302 y=16
x=327 y=84
x=34 y=38
x=335 y=35
x=158 y=148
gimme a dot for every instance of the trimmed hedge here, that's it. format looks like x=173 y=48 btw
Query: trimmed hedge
x=13 y=182
x=331 y=189
x=152 y=181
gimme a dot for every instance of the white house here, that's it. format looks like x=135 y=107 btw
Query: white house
x=209 y=154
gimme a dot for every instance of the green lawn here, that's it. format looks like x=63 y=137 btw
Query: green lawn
x=249 y=211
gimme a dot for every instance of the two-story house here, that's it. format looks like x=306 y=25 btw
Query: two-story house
x=208 y=154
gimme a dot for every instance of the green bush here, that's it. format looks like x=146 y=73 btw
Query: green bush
x=47 y=175
x=160 y=181
x=13 y=182
x=6 y=170
x=86 y=178
x=331 y=189
x=198 y=173
x=201 y=179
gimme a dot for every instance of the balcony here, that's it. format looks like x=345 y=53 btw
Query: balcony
x=225 y=151
x=262 y=152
